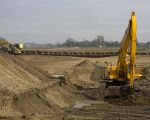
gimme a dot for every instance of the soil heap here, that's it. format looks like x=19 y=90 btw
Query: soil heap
x=86 y=75
x=26 y=92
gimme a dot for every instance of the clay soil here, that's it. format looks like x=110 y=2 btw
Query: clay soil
x=30 y=90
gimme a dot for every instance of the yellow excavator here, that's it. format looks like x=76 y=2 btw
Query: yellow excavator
x=12 y=48
x=125 y=72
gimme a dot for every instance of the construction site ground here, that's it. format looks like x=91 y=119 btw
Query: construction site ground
x=40 y=87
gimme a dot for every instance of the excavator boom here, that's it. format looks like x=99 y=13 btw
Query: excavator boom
x=133 y=49
x=125 y=70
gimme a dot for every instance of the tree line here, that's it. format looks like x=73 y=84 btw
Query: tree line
x=71 y=42
x=97 y=42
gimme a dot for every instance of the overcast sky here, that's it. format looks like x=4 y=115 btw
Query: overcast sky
x=51 y=21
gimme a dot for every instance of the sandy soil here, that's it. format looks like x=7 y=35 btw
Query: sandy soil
x=26 y=92
x=29 y=90
x=85 y=74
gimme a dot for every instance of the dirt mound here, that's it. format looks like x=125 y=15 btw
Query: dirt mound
x=16 y=76
x=86 y=63
x=86 y=75
x=16 y=79
x=25 y=90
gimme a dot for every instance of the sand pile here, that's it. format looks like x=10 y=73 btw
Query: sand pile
x=17 y=78
x=86 y=63
x=86 y=75
x=25 y=91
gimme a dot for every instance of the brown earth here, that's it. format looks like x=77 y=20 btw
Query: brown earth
x=29 y=90
x=26 y=92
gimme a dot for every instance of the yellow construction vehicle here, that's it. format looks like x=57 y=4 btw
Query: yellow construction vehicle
x=15 y=48
x=12 y=48
x=125 y=72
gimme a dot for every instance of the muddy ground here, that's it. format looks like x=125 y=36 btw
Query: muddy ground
x=31 y=90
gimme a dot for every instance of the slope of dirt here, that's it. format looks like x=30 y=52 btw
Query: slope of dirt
x=26 y=92
x=15 y=80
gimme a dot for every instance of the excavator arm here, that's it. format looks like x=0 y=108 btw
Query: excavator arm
x=125 y=70
x=133 y=49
